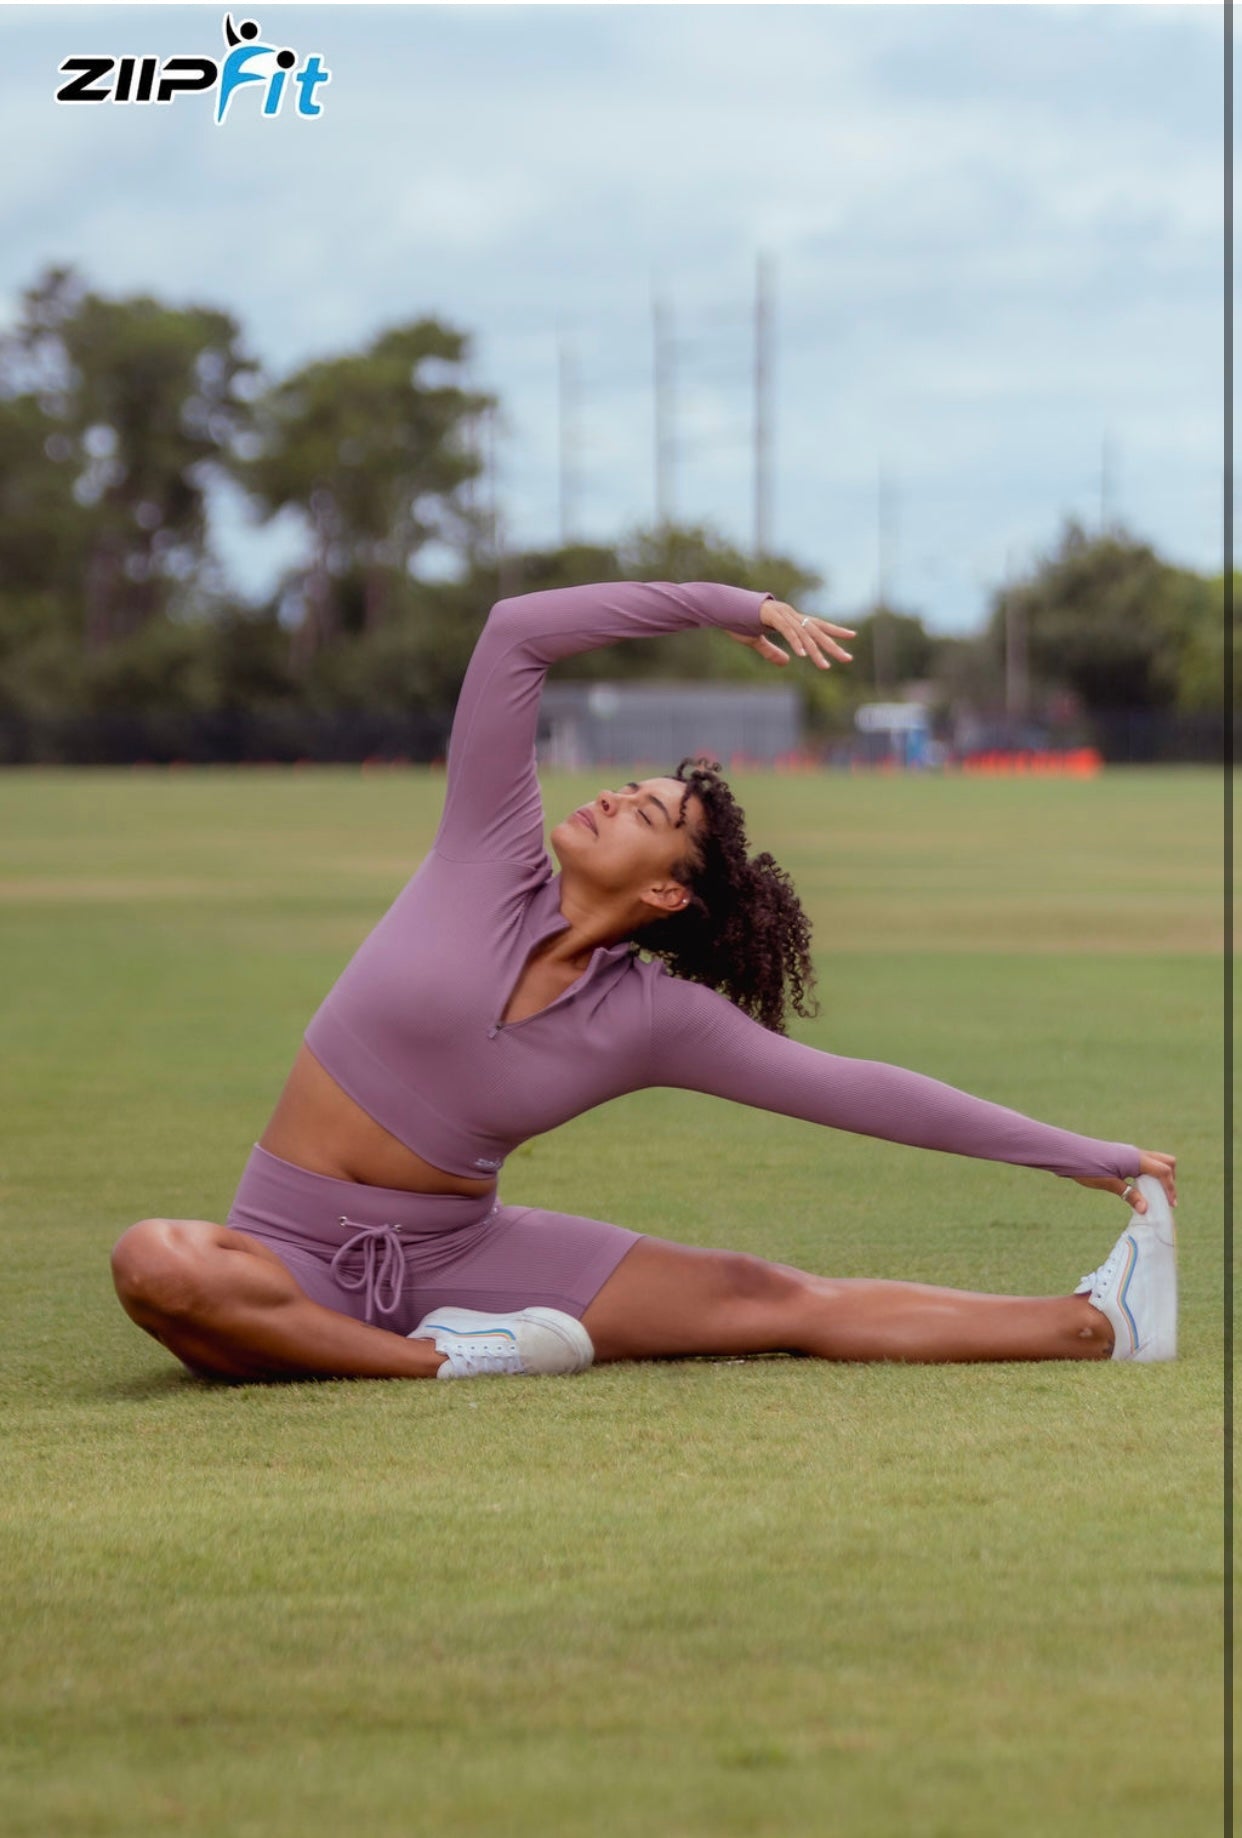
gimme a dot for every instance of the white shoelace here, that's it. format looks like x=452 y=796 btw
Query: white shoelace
x=478 y=1359
x=1100 y=1279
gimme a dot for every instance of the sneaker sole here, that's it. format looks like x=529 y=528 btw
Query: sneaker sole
x=569 y=1331
x=1156 y=1231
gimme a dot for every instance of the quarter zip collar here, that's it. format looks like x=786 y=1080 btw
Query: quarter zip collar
x=549 y=925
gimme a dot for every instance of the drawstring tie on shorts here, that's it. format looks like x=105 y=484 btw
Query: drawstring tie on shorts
x=382 y=1264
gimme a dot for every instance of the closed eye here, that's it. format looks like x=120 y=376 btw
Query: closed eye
x=633 y=785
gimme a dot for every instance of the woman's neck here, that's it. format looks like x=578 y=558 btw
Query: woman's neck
x=594 y=924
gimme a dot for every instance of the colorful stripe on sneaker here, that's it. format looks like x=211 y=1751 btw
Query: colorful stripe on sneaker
x=472 y=1333
x=1123 y=1287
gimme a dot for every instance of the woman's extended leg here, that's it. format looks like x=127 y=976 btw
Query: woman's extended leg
x=227 y=1306
x=666 y=1300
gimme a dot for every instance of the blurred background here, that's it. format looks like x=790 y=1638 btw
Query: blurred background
x=911 y=315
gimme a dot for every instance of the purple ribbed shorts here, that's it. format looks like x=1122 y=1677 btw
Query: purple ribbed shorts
x=389 y=1257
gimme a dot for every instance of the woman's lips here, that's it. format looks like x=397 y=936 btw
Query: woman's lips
x=584 y=816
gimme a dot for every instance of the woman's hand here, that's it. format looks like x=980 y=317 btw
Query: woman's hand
x=1162 y=1166
x=810 y=636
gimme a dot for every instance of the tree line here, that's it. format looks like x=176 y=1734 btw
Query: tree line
x=122 y=419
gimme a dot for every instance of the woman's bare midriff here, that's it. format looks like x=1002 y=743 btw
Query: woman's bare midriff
x=317 y=1126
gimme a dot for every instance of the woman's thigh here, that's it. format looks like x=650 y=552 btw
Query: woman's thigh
x=667 y=1300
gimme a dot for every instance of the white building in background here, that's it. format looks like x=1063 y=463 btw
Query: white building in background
x=617 y=724
x=900 y=731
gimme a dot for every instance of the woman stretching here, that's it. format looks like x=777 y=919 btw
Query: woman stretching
x=497 y=999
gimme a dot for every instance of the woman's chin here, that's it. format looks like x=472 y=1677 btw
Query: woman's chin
x=561 y=839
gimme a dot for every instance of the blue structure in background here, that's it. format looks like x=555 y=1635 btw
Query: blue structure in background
x=896 y=731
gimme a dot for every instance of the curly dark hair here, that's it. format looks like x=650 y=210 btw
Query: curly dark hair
x=743 y=932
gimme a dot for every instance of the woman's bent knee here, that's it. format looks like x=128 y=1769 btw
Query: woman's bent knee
x=161 y=1268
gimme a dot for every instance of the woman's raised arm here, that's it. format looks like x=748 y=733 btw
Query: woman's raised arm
x=492 y=808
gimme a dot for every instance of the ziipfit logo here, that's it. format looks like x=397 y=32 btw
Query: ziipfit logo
x=152 y=79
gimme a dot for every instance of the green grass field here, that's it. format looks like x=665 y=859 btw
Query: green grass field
x=772 y=1597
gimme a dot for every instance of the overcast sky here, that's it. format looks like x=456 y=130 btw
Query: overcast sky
x=995 y=235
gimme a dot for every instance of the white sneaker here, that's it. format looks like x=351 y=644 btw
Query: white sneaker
x=535 y=1340
x=1136 y=1286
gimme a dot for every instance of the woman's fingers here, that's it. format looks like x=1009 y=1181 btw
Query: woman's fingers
x=809 y=636
x=1160 y=1166
x=815 y=640
x=1111 y=1183
x=806 y=635
x=1164 y=1167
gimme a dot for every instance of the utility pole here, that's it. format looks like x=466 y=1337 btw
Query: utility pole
x=492 y=499
x=763 y=405
x=1017 y=674
x=474 y=489
x=663 y=381
x=507 y=566
x=567 y=400
x=886 y=552
x=1107 y=482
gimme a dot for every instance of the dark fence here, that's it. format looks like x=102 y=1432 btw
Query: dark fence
x=227 y=736
x=1153 y=737
x=1137 y=737
x=1122 y=736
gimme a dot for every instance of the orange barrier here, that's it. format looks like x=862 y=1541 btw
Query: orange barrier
x=1072 y=763
x=1078 y=763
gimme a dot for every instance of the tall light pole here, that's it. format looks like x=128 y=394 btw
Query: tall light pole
x=885 y=561
x=567 y=400
x=1107 y=485
x=665 y=404
x=764 y=417
x=1017 y=673
x=508 y=566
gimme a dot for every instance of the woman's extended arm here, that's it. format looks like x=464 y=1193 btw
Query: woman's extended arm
x=492 y=808
x=703 y=1043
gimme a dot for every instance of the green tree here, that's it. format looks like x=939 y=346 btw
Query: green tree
x=415 y=660
x=890 y=648
x=43 y=549
x=695 y=553
x=44 y=530
x=967 y=673
x=1103 y=615
x=116 y=411
x=1198 y=619
x=376 y=451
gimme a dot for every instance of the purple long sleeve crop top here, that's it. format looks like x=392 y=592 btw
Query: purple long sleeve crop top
x=412 y=1031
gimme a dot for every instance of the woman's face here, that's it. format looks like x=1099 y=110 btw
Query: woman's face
x=632 y=840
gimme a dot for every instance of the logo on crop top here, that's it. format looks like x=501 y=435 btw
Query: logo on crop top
x=248 y=63
x=481 y=1161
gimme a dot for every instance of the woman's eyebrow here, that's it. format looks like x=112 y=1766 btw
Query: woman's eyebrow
x=632 y=785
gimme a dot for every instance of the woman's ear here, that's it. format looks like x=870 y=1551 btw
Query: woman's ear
x=667 y=896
